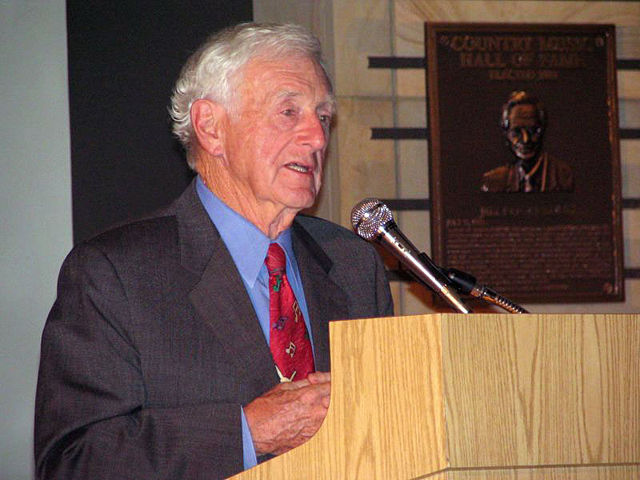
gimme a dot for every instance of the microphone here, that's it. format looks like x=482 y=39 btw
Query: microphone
x=373 y=221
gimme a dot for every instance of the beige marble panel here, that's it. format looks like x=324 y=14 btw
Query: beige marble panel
x=413 y=169
x=415 y=225
x=366 y=167
x=631 y=234
x=410 y=15
x=411 y=83
x=413 y=165
x=630 y=160
x=628 y=85
x=629 y=113
x=628 y=41
x=362 y=28
x=412 y=112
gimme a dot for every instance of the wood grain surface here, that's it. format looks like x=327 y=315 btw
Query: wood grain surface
x=487 y=396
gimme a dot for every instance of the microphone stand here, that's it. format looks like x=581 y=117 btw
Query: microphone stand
x=466 y=284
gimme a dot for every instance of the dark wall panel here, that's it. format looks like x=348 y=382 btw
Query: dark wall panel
x=124 y=58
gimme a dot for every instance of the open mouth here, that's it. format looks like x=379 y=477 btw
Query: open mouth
x=296 y=167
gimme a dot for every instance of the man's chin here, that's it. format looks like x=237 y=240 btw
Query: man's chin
x=300 y=202
x=302 y=198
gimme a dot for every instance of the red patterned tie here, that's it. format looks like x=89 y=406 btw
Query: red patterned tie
x=288 y=338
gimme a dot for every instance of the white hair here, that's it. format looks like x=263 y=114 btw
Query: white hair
x=211 y=71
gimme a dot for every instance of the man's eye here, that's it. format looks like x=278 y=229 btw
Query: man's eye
x=325 y=119
x=289 y=112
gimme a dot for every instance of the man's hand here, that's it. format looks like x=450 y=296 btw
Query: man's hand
x=288 y=414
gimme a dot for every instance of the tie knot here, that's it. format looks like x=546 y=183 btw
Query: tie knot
x=276 y=260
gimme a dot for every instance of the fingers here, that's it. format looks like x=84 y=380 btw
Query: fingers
x=288 y=414
x=319 y=377
x=312 y=379
x=322 y=378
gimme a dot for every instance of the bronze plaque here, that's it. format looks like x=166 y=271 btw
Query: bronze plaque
x=524 y=158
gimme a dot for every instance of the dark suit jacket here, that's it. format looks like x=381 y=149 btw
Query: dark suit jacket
x=152 y=345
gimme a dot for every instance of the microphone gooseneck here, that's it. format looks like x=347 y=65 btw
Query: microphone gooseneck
x=373 y=221
x=466 y=283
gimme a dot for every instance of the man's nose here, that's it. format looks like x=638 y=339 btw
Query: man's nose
x=524 y=134
x=313 y=133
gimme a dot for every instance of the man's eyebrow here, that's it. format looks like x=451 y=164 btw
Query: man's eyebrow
x=329 y=101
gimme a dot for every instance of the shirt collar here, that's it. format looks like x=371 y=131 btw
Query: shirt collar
x=246 y=243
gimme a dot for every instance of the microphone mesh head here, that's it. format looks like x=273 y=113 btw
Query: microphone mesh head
x=368 y=216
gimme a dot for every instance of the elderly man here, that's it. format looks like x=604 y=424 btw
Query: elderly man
x=193 y=343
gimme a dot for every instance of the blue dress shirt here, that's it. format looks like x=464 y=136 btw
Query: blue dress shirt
x=248 y=248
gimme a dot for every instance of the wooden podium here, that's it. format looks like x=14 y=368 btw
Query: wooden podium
x=451 y=396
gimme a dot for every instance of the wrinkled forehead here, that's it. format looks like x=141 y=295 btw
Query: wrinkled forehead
x=285 y=77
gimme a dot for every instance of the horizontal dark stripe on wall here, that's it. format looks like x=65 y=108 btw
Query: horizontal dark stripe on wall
x=421 y=62
x=397 y=62
x=406 y=204
x=631 y=273
x=631 y=203
x=629 y=133
x=401 y=133
x=628 y=64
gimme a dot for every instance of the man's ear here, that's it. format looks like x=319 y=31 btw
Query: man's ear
x=208 y=119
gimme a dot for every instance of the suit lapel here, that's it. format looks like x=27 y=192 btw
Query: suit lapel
x=219 y=296
x=325 y=300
